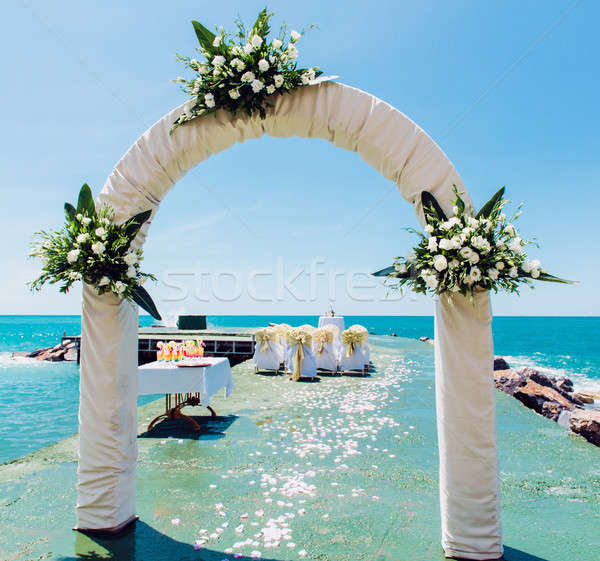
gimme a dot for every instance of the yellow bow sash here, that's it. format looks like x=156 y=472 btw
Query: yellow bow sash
x=351 y=339
x=298 y=338
x=322 y=336
x=263 y=337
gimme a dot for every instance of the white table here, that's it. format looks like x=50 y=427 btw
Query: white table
x=338 y=321
x=185 y=385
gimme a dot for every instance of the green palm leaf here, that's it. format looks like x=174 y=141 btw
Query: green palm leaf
x=431 y=207
x=133 y=225
x=551 y=278
x=205 y=36
x=141 y=297
x=85 y=202
x=491 y=209
x=384 y=272
x=70 y=212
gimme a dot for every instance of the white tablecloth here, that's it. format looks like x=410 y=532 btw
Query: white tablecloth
x=338 y=321
x=165 y=377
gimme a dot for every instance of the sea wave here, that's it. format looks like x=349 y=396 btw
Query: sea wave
x=581 y=381
x=7 y=360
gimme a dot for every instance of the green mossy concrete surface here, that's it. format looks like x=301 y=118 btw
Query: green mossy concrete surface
x=340 y=469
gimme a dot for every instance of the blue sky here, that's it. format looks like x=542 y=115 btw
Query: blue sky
x=508 y=90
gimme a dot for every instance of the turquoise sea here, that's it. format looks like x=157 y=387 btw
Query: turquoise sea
x=39 y=401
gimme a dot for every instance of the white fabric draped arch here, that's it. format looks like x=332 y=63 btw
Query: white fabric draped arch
x=402 y=152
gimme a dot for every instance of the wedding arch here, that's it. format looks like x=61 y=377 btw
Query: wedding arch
x=403 y=153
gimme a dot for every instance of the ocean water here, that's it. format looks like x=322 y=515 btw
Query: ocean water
x=39 y=401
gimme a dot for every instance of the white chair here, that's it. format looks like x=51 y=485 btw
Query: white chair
x=325 y=351
x=282 y=331
x=352 y=358
x=267 y=351
x=300 y=360
x=337 y=341
x=364 y=343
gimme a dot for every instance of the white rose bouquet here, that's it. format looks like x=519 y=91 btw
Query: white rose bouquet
x=92 y=248
x=241 y=71
x=468 y=251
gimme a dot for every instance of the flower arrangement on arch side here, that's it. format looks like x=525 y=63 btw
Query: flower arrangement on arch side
x=92 y=248
x=242 y=70
x=467 y=252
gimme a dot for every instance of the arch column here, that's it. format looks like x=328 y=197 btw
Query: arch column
x=403 y=153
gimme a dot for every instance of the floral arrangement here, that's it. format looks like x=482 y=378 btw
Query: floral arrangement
x=92 y=248
x=467 y=252
x=240 y=71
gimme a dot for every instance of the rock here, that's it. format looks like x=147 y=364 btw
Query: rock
x=508 y=380
x=584 y=397
x=500 y=363
x=550 y=382
x=563 y=383
x=19 y=354
x=427 y=340
x=34 y=354
x=71 y=354
x=543 y=399
x=586 y=422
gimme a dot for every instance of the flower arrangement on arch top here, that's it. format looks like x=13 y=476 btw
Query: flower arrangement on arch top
x=92 y=248
x=240 y=71
x=466 y=252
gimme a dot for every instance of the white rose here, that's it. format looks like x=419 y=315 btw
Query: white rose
x=466 y=252
x=535 y=273
x=256 y=41
x=410 y=258
x=73 y=255
x=104 y=281
x=79 y=217
x=453 y=264
x=247 y=48
x=440 y=263
x=493 y=274
x=278 y=80
x=131 y=272
x=130 y=258
x=120 y=287
x=276 y=44
x=400 y=267
x=432 y=244
x=292 y=52
x=526 y=266
x=73 y=275
x=82 y=238
x=428 y=228
x=203 y=68
x=535 y=264
x=515 y=245
x=248 y=77
x=238 y=64
x=474 y=257
x=432 y=281
x=294 y=36
x=510 y=230
x=234 y=94
x=263 y=65
x=86 y=221
x=270 y=89
x=98 y=248
x=500 y=265
x=209 y=100
x=454 y=209
x=475 y=274
x=101 y=233
x=257 y=85
x=513 y=272
x=456 y=242
x=219 y=60
x=305 y=79
x=217 y=41
x=446 y=244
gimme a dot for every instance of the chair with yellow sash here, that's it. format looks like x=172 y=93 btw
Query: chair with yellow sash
x=267 y=350
x=282 y=330
x=352 y=358
x=324 y=348
x=337 y=341
x=364 y=343
x=300 y=360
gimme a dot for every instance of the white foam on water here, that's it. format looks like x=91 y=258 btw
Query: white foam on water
x=581 y=382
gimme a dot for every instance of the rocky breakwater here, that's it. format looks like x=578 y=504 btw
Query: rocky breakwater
x=552 y=397
x=64 y=351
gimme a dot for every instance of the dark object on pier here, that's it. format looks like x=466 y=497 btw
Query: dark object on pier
x=191 y=321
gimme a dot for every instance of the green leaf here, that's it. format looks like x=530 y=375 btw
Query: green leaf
x=551 y=278
x=133 y=225
x=431 y=207
x=384 y=272
x=141 y=297
x=70 y=212
x=460 y=203
x=491 y=208
x=205 y=36
x=85 y=202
